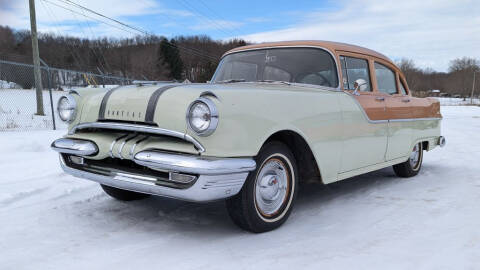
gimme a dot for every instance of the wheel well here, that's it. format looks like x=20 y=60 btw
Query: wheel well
x=425 y=145
x=306 y=163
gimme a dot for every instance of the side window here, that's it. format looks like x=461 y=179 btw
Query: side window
x=386 y=82
x=354 y=69
x=402 y=88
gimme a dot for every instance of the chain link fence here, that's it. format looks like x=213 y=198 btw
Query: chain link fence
x=18 y=105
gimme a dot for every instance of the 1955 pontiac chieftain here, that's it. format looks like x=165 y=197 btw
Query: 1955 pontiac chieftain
x=273 y=115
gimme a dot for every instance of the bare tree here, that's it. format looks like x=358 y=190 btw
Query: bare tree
x=462 y=72
x=411 y=72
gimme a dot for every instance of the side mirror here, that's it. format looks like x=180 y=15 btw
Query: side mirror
x=360 y=85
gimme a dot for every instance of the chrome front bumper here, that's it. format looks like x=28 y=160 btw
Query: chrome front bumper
x=217 y=178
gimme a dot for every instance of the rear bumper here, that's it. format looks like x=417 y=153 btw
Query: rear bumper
x=215 y=178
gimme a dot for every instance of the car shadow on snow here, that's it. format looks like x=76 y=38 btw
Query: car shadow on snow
x=157 y=214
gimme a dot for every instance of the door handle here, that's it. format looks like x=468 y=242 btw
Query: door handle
x=406 y=100
x=380 y=98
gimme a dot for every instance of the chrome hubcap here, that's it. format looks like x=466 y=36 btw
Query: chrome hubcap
x=272 y=187
x=415 y=156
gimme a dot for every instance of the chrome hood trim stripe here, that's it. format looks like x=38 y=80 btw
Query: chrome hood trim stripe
x=152 y=102
x=103 y=105
x=138 y=128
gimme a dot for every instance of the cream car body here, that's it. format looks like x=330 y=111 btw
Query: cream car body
x=343 y=140
x=332 y=131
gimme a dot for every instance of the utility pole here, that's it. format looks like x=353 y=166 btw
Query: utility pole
x=36 y=59
x=473 y=87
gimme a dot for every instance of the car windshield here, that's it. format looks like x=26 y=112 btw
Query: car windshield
x=293 y=65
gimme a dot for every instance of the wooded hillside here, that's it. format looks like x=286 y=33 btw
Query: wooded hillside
x=143 y=57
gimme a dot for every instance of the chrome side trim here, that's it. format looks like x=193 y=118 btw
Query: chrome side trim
x=75 y=147
x=377 y=121
x=206 y=187
x=193 y=164
x=138 y=128
x=415 y=119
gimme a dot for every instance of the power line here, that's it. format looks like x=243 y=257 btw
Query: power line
x=76 y=58
x=105 y=63
x=190 y=50
x=89 y=17
x=106 y=17
x=204 y=18
x=214 y=13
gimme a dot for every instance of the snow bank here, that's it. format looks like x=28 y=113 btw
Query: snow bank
x=8 y=85
x=50 y=220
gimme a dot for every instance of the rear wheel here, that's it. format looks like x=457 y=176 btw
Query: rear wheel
x=267 y=197
x=412 y=166
x=123 y=195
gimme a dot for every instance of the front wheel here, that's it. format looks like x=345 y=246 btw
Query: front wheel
x=267 y=197
x=412 y=166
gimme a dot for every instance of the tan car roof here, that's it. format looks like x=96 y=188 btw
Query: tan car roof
x=330 y=45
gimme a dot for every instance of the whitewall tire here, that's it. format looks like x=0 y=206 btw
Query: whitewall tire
x=268 y=195
x=412 y=166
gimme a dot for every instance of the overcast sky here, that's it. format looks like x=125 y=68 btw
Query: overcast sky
x=431 y=32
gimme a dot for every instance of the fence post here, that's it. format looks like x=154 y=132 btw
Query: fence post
x=50 y=86
x=49 y=81
x=473 y=88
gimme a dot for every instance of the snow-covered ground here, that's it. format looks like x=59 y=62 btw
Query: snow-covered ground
x=18 y=108
x=50 y=220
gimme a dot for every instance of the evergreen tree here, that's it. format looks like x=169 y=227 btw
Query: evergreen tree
x=207 y=71
x=169 y=55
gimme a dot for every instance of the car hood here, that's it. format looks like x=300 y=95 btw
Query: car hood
x=165 y=105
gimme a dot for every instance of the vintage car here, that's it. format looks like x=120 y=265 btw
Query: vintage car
x=273 y=115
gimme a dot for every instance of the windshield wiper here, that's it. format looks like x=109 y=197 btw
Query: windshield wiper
x=273 y=81
x=231 y=81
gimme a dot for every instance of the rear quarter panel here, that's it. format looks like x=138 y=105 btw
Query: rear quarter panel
x=430 y=128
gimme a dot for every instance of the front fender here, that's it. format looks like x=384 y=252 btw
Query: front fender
x=247 y=119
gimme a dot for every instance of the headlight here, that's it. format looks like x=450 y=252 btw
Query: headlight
x=67 y=108
x=202 y=116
